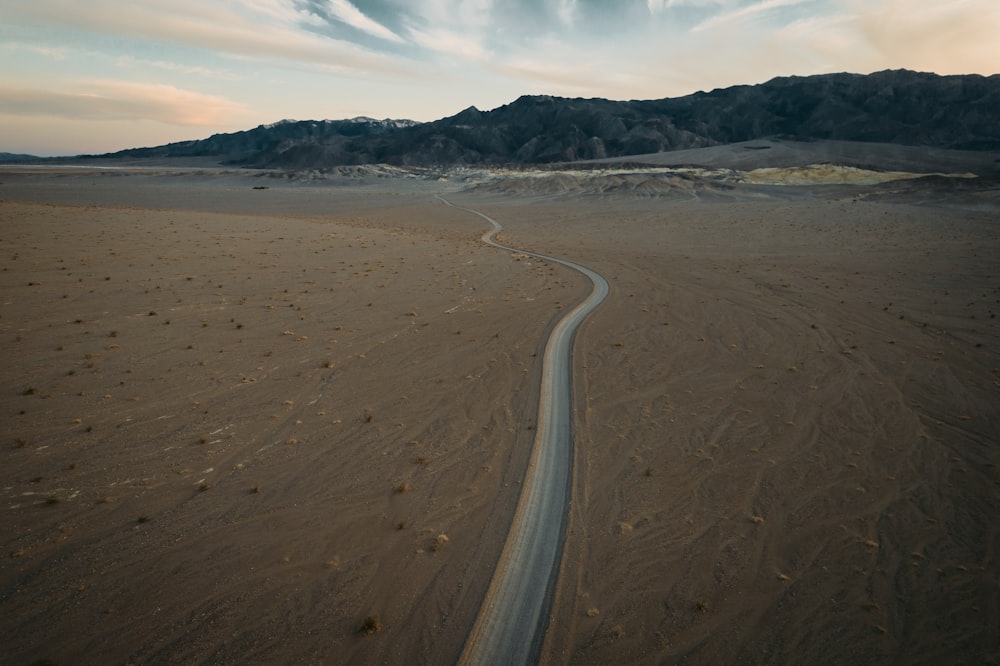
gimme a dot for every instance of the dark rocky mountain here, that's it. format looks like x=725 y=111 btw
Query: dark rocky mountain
x=312 y=139
x=18 y=157
x=900 y=106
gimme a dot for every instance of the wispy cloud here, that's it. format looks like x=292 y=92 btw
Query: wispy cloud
x=131 y=62
x=566 y=9
x=55 y=53
x=258 y=29
x=450 y=42
x=660 y=5
x=348 y=13
x=745 y=12
x=118 y=100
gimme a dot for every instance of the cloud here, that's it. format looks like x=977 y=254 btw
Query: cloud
x=659 y=5
x=120 y=100
x=257 y=29
x=566 y=10
x=53 y=53
x=450 y=42
x=745 y=12
x=131 y=62
x=344 y=11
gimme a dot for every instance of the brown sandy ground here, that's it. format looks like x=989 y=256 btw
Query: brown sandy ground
x=788 y=436
x=787 y=429
x=231 y=438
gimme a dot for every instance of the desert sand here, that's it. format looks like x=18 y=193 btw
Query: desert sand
x=239 y=422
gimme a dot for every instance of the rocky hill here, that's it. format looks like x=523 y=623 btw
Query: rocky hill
x=900 y=107
x=312 y=139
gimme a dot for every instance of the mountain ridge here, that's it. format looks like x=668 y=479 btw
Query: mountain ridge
x=891 y=106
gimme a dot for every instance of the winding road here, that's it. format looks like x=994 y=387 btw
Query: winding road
x=512 y=620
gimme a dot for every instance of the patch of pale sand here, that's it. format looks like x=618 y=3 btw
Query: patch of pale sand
x=828 y=174
x=786 y=434
x=231 y=438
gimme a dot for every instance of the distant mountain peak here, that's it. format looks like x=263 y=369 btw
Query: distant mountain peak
x=278 y=123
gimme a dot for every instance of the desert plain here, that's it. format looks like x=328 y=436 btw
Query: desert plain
x=265 y=417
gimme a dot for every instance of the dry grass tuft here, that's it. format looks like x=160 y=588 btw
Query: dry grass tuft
x=404 y=488
x=439 y=541
x=371 y=625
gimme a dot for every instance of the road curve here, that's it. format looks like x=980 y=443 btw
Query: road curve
x=512 y=620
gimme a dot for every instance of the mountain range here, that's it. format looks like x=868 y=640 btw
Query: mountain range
x=893 y=106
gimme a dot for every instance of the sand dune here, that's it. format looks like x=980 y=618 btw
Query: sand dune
x=239 y=421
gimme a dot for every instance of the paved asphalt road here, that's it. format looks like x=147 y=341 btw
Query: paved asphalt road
x=512 y=620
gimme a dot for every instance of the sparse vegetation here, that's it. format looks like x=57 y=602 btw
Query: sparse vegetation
x=439 y=542
x=371 y=625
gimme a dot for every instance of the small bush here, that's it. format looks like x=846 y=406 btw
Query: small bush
x=371 y=625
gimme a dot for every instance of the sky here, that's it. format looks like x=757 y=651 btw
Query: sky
x=97 y=76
